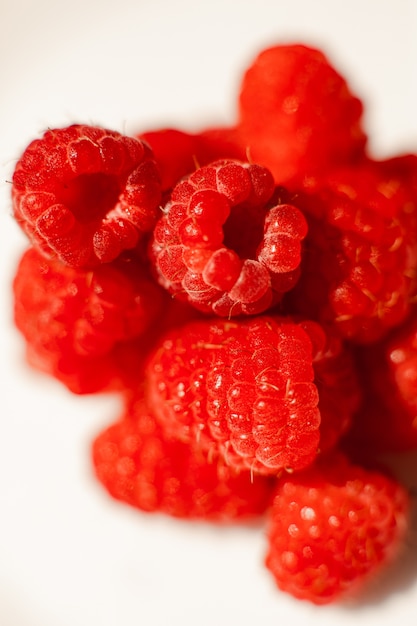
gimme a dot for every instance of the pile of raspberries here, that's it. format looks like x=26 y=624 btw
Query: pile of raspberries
x=249 y=291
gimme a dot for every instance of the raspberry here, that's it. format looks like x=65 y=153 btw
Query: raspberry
x=358 y=268
x=219 y=142
x=85 y=194
x=246 y=390
x=179 y=153
x=140 y=466
x=338 y=385
x=297 y=114
x=226 y=243
x=79 y=324
x=386 y=421
x=174 y=151
x=332 y=527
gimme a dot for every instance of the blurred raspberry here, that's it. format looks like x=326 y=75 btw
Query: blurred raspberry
x=80 y=325
x=332 y=527
x=297 y=115
x=179 y=153
x=247 y=390
x=139 y=465
x=360 y=255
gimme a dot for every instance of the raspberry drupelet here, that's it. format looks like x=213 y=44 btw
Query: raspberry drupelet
x=226 y=243
x=245 y=389
x=139 y=465
x=333 y=527
x=85 y=194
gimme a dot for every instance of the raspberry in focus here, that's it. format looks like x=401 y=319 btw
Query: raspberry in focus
x=242 y=388
x=226 y=243
x=85 y=194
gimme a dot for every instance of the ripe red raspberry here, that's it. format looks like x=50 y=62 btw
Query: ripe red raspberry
x=175 y=154
x=338 y=385
x=386 y=421
x=297 y=114
x=140 y=466
x=332 y=527
x=226 y=243
x=85 y=194
x=219 y=142
x=179 y=153
x=81 y=326
x=246 y=389
x=360 y=255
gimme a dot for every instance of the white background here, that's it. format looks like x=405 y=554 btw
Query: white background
x=68 y=555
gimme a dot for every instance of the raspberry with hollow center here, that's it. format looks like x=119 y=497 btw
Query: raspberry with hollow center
x=85 y=194
x=244 y=388
x=140 y=466
x=332 y=527
x=226 y=243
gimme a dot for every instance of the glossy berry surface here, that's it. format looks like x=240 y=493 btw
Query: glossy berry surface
x=243 y=388
x=140 y=466
x=332 y=527
x=85 y=194
x=226 y=244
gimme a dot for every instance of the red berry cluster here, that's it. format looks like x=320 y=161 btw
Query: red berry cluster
x=249 y=291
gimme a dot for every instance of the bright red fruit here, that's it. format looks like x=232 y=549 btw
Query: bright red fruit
x=226 y=243
x=81 y=326
x=85 y=194
x=360 y=254
x=297 y=114
x=332 y=527
x=338 y=385
x=179 y=153
x=139 y=465
x=246 y=389
x=387 y=418
x=174 y=151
